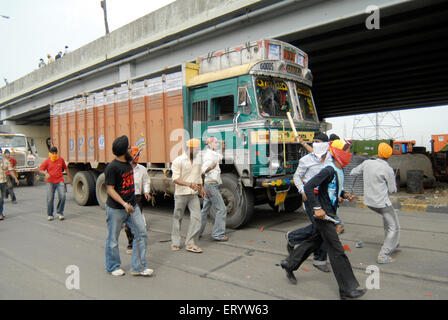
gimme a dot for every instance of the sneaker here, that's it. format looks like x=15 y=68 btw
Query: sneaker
x=385 y=260
x=14 y=201
x=322 y=267
x=50 y=218
x=61 y=217
x=117 y=273
x=145 y=273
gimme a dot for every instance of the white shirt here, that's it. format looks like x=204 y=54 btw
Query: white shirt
x=186 y=171
x=141 y=180
x=209 y=158
x=309 y=166
x=379 y=181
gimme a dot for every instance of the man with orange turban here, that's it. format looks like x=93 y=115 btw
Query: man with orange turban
x=187 y=178
x=379 y=181
x=330 y=181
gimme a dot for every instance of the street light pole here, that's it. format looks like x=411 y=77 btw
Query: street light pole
x=103 y=5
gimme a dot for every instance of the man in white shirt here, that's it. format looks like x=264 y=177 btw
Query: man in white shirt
x=379 y=181
x=187 y=177
x=309 y=166
x=210 y=167
x=142 y=188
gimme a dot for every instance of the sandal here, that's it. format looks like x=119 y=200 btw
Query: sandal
x=175 y=248
x=193 y=248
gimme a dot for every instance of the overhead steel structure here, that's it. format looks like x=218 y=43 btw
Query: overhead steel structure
x=356 y=70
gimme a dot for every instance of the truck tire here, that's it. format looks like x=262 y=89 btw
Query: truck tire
x=239 y=208
x=291 y=204
x=84 y=188
x=100 y=191
x=95 y=174
x=30 y=179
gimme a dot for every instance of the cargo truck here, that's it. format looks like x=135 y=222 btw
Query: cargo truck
x=240 y=95
x=23 y=150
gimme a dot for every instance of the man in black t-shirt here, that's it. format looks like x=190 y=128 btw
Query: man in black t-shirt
x=121 y=208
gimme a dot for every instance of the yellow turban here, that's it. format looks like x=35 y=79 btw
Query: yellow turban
x=338 y=144
x=384 y=150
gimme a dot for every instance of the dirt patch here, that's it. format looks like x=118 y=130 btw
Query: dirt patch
x=437 y=196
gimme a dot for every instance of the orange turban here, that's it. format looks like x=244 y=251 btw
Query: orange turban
x=384 y=150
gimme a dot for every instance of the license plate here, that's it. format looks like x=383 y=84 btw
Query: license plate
x=280 y=197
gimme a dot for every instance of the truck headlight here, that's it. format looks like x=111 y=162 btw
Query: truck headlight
x=30 y=163
x=274 y=164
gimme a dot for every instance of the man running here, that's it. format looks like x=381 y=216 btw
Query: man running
x=308 y=167
x=330 y=181
x=379 y=181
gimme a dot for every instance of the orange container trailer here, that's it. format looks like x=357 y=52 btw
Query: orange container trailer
x=85 y=127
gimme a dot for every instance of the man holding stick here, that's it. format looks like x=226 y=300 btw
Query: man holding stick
x=330 y=181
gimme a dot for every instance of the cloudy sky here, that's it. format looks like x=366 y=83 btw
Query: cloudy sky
x=36 y=28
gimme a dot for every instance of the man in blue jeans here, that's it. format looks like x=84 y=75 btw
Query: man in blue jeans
x=53 y=168
x=121 y=207
x=210 y=167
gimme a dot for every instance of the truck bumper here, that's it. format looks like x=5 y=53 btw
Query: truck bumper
x=278 y=182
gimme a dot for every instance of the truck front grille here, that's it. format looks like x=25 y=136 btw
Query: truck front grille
x=21 y=159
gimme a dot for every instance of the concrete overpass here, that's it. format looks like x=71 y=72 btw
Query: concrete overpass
x=356 y=70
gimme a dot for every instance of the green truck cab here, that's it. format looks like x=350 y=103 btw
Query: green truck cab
x=241 y=96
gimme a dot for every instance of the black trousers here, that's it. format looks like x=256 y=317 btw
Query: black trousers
x=325 y=232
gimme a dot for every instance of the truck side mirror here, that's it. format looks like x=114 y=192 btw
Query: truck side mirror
x=243 y=100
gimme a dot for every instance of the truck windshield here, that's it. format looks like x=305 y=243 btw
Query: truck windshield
x=12 y=142
x=273 y=97
x=306 y=104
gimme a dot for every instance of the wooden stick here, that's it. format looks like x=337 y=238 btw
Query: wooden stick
x=291 y=122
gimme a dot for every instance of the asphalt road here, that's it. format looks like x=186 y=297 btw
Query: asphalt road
x=34 y=255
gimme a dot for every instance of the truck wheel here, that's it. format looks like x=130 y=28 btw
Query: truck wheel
x=239 y=207
x=95 y=175
x=291 y=204
x=84 y=188
x=101 y=192
x=30 y=179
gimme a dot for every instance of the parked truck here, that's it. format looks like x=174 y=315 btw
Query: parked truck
x=22 y=149
x=239 y=95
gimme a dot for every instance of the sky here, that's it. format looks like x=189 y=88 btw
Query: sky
x=38 y=27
